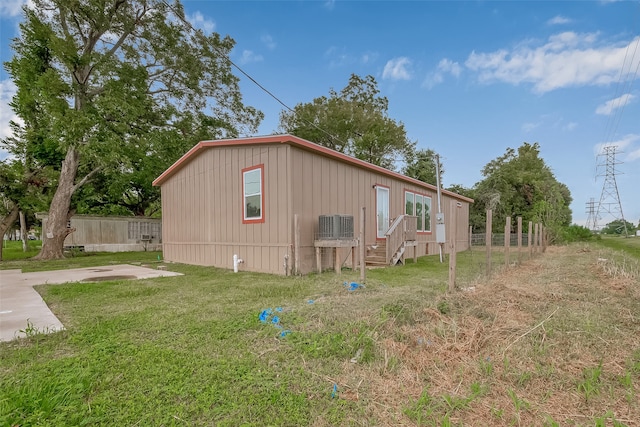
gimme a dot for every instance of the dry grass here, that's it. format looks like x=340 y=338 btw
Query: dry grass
x=555 y=341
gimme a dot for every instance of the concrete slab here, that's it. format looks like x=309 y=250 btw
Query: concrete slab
x=21 y=307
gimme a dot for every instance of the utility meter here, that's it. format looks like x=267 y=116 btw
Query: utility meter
x=440 y=232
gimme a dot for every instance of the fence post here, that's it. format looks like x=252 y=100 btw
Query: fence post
x=453 y=253
x=470 y=236
x=535 y=238
x=519 y=238
x=296 y=245
x=487 y=241
x=529 y=238
x=507 y=240
x=362 y=246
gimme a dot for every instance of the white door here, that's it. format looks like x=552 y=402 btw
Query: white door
x=382 y=211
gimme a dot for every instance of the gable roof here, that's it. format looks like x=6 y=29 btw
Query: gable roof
x=297 y=142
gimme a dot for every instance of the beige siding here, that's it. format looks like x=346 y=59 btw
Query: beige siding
x=324 y=185
x=202 y=210
x=202 y=206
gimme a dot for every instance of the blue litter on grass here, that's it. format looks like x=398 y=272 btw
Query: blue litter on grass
x=335 y=391
x=264 y=315
x=310 y=301
x=267 y=316
x=353 y=286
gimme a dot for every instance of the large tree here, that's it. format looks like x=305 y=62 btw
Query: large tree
x=26 y=175
x=122 y=72
x=421 y=165
x=353 y=121
x=519 y=183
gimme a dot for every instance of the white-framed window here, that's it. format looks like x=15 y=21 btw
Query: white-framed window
x=409 y=202
x=253 y=194
x=420 y=206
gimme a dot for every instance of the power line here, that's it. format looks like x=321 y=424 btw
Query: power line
x=622 y=88
x=223 y=55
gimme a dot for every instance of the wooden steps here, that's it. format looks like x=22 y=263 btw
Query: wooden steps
x=376 y=254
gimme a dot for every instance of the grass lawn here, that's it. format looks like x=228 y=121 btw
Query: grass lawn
x=630 y=245
x=534 y=345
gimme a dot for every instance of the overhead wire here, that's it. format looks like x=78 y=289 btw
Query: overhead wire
x=253 y=80
x=622 y=94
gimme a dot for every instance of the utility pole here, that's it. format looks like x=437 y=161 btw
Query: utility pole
x=440 y=227
x=592 y=220
x=610 y=198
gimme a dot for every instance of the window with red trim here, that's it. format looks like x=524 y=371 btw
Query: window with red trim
x=253 y=194
x=420 y=206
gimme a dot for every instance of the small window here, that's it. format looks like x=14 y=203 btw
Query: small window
x=408 y=201
x=253 y=195
x=419 y=211
x=427 y=213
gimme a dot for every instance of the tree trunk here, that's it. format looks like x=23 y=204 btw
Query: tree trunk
x=55 y=231
x=23 y=231
x=7 y=222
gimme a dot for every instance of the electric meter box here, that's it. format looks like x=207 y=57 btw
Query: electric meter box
x=440 y=232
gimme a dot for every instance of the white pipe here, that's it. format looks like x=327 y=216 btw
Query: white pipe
x=236 y=261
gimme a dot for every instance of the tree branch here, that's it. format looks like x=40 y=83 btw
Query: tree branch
x=86 y=179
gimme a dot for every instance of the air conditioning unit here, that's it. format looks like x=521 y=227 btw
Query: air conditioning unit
x=335 y=227
x=145 y=237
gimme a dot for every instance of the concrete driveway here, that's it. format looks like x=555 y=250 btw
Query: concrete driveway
x=21 y=306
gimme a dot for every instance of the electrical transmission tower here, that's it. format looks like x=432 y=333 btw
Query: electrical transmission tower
x=609 y=198
x=592 y=220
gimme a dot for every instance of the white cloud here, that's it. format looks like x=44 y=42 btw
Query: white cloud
x=339 y=57
x=268 y=41
x=397 y=69
x=558 y=20
x=567 y=59
x=634 y=155
x=626 y=143
x=610 y=106
x=570 y=126
x=528 y=127
x=12 y=8
x=368 y=58
x=449 y=66
x=250 y=56
x=198 y=20
x=445 y=66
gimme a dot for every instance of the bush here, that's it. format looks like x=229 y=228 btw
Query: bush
x=575 y=233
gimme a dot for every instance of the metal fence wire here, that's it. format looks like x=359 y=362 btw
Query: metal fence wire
x=497 y=239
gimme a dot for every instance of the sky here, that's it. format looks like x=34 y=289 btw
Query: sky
x=468 y=79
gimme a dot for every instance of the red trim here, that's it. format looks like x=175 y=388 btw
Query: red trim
x=262 y=213
x=299 y=142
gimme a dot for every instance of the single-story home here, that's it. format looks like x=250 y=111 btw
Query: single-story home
x=276 y=203
x=92 y=233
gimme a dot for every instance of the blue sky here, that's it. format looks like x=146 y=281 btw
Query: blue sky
x=467 y=79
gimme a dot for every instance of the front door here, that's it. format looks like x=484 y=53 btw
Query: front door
x=382 y=211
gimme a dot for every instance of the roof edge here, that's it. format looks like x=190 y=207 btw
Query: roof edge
x=287 y=138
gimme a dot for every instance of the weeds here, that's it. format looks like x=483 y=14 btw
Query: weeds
x=590 y=384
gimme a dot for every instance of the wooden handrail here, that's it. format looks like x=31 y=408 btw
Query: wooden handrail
x=410 y=227
x=395 y=236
